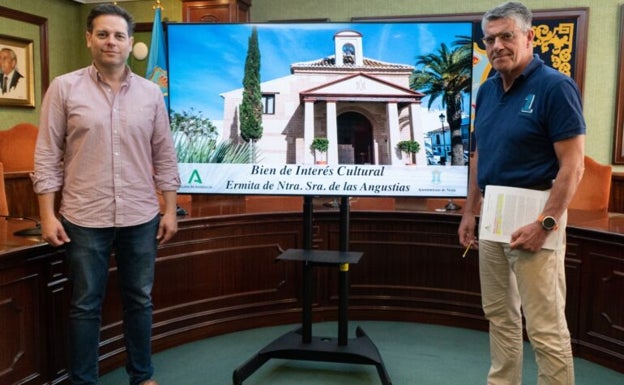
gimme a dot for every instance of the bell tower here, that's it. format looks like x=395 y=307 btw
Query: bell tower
x=348 y=48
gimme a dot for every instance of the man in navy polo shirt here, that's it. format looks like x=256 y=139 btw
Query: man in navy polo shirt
x=530 y=133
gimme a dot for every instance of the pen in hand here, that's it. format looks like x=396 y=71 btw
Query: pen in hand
x=467 y=248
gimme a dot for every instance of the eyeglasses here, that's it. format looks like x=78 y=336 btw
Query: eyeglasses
x=506 y=37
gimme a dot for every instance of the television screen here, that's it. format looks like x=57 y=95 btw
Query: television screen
x=357 y=109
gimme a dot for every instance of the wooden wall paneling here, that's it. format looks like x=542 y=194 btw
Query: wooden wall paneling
x=219 y=275
x=21 y=199
x=573 y=269
x=618 y=130
x=244 y=16
x=601 y=307
x=57 y=310
x=412 y=270
x=19 y=316
x=616 y=199
x=215 y=276
x=414 y=264
x=216 y=11
x=21 y=308
x=209 y=205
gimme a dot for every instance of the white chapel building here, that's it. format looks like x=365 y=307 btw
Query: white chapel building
x=364 y=107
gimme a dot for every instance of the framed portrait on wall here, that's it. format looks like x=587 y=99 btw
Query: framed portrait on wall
x=618 y=135
x=16 y=72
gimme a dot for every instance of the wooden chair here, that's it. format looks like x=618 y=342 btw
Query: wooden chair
x=17 y=153
x=17 y=147
x=594 y=190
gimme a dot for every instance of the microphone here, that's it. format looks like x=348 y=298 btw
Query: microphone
x=27 y=232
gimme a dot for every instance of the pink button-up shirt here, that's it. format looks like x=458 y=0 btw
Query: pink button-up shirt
x=106 y=152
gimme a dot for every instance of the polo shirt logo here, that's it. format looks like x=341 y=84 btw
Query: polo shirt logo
x=527 y=108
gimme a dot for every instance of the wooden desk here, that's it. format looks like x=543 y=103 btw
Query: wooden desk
x=219 y=275
x=10 y=243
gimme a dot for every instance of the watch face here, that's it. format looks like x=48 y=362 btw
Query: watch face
x=549 y=223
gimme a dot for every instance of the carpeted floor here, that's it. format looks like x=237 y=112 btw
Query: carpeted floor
x=413 y=354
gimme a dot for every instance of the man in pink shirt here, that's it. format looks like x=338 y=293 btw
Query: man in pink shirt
x=105 y=144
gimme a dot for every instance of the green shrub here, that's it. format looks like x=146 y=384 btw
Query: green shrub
x=320 y=144
x=409 y=146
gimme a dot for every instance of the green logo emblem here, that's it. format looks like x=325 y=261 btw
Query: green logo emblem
x=195 y=178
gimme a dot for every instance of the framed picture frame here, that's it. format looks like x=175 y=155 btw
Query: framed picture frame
x=17 y=85
x=618 y=135
x=42 y=72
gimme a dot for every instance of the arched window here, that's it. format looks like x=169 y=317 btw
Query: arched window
x=348 y=54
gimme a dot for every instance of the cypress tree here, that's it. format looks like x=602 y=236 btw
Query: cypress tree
x=251 y=107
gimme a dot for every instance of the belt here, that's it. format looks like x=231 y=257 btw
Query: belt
x=546 y=185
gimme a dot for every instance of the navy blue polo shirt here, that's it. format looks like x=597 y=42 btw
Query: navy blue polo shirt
x=515 y=130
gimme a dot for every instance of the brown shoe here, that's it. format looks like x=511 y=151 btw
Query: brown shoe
x=149 y=382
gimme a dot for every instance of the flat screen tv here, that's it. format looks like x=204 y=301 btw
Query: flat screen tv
x=335 y=109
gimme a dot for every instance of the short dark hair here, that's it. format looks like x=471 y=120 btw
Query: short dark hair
x=110 y=9
x=510 y=10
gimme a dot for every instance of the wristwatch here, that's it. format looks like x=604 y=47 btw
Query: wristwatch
x=548 y=223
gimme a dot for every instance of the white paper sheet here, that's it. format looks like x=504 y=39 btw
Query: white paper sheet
x=505 y=209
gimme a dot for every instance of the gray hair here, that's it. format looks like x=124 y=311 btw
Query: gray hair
x=510 y=10
x=10 y=52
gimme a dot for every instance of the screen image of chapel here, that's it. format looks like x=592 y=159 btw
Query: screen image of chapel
x=352 y=85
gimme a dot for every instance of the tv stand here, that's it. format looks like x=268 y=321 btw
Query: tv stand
x=299 y=344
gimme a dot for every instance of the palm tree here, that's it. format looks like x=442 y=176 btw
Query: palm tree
x=446 y=75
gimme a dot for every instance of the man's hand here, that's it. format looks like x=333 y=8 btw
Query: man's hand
x=530 y=237
x=53 y=232
x=167 y=228
x=466 y=231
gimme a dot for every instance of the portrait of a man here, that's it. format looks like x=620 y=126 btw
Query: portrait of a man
x=17 y=80
x=13 y=83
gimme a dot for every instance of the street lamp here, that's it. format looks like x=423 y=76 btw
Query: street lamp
x=442 y=116
x=450 y=206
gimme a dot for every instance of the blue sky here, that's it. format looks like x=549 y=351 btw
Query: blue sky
x=208 y=59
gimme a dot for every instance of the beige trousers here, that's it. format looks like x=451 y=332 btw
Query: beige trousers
x=535 y=282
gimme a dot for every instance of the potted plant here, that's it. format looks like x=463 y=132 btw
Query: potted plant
x=410 y=147
x=320 y=146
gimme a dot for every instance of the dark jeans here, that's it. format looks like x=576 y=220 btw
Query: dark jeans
x=88 y=256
